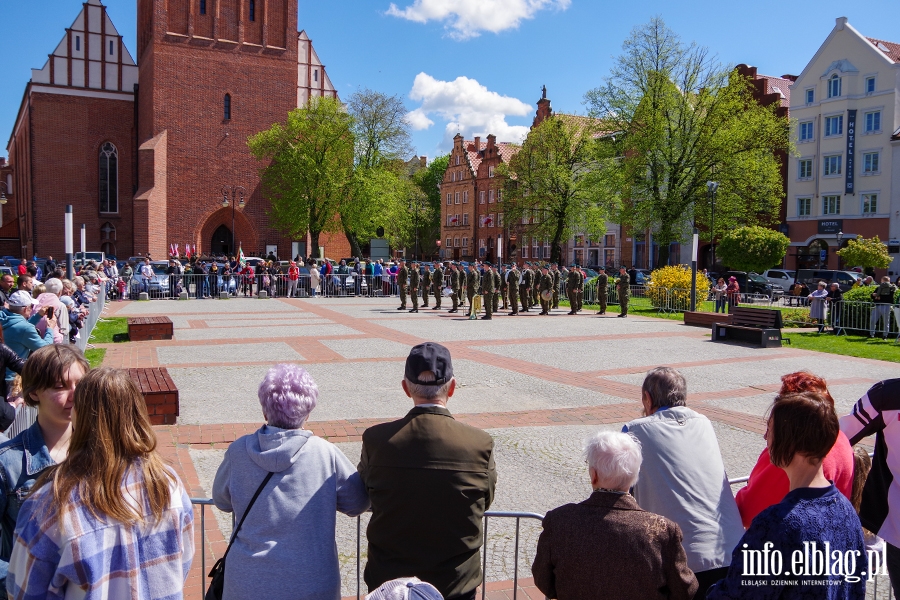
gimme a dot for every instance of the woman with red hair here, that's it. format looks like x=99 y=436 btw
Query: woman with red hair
x=768 y=484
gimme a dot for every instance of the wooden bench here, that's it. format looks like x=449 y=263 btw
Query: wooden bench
x=150 y=328
x=758 y=325
x=159 y=393
x=705 y=319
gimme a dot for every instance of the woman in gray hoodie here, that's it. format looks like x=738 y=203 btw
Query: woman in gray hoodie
x=286 y=546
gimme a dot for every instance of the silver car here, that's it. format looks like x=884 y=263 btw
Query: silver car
x=780 y=278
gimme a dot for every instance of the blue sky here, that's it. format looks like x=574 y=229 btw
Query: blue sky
x=477 y=66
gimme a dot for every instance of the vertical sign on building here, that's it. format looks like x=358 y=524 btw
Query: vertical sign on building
x=851 y=149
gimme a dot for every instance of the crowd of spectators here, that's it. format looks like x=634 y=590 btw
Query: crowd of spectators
x=89 y=509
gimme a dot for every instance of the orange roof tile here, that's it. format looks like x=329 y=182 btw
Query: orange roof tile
x=890 y=49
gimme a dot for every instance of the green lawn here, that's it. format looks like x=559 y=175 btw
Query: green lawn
x=95 y=356
x=110 y=330
x=862 y=347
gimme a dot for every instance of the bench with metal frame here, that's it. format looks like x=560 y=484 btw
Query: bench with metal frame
x=757 y=325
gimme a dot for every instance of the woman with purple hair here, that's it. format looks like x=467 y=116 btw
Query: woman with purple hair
x=286 y=546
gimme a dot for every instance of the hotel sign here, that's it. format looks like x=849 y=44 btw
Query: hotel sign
x=851 y=149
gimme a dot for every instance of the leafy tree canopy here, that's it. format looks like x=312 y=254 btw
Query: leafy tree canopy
x=309 y=167
x=684 y=119
x=559 y=182
x=869 y=253
x=753 y=248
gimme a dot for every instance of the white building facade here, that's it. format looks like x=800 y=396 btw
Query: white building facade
x=843 y=181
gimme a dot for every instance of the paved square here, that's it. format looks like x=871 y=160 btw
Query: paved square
x=539 y=385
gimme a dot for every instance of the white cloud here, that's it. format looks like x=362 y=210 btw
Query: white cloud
x=468 y=18
x=468 y=108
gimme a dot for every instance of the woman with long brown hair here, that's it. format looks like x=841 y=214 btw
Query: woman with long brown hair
x=112 y=520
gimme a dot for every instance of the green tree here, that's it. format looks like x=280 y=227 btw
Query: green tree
x=557 y=181
x=381 y=144
x=753 y=248
x=428 y=203
x=684 y=119
x=869 y=253
x=309 y=167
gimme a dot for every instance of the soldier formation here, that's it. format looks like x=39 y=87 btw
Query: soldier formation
x=483 y=285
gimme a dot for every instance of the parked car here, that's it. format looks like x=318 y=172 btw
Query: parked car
x=811 y=277
x=752 y=283
x=780 y=278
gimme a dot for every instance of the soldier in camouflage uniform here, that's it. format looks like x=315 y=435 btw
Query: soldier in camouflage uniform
x=488 y=291
x=579 y=291
x=622 y=288
x=472 y=282
x=414 y=281
x=571 y=290
x=535 y=289
x=461 y=283
x=545 y=284
x=454 y=287
x=437 y=285
x=554 y=272
x=512 y=285
x=402 y=282
x=504 y=286
x=497 y=283
x=602 y=284
x=426 y=285
x=525 y=287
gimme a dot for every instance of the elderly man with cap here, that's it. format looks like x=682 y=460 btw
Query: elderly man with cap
x=18 y=323
x=430 y=479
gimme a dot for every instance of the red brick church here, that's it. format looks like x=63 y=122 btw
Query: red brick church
x=146 y=151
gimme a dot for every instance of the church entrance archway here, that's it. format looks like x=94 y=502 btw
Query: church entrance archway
x=221 y=241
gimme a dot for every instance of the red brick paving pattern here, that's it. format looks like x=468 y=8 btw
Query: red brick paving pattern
x=175 y=441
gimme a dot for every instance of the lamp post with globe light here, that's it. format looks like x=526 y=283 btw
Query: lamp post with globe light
x=712 y=187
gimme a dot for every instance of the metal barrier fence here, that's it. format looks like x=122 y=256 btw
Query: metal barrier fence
x=518 y=516
x=871 y=592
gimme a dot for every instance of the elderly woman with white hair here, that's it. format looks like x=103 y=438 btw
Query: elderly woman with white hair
x=607 y=546
x=285 y=547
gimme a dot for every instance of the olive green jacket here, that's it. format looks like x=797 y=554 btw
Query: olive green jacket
x=430 y=479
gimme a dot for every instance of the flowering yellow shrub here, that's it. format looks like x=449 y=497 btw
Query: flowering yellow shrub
x=670 y=287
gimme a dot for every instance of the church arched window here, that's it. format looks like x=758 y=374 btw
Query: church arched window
x=252 y=10
x=227 y=105
x=109 y=179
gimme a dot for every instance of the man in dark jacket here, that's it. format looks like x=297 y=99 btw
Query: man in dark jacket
x=430 y=479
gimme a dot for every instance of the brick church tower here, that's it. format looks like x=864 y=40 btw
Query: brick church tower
x=146 y=151
x=212 y=73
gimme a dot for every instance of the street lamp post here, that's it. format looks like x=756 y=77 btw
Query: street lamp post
x=234 y=195
x=840 y=238
x=712 y=187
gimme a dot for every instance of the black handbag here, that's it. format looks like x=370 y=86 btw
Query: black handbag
x=217 y=574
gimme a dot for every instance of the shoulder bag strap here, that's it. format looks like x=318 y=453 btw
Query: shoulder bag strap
x=249 y=506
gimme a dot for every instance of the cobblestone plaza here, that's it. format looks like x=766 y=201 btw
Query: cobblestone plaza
x=539 y=386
